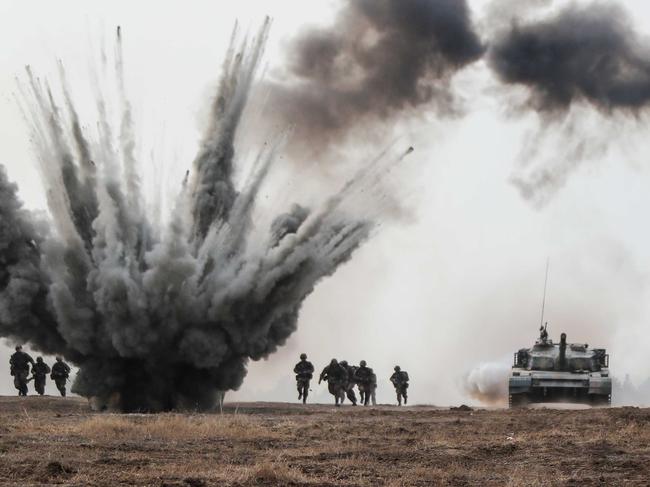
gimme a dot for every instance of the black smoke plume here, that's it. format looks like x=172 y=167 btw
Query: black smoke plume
x=588 y=53
x=584 y=56
x=158 y=319
x=381 y=58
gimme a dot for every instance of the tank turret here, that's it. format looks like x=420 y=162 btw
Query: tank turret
x=563 y=372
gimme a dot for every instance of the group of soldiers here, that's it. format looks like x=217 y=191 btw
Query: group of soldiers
x=19 y=368
x=342 y=378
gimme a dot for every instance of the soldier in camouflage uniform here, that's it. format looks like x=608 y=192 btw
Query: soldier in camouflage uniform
x=336 y=377
x=350 y=382
x=60 y=374
x=39 y=372
x=400 y=380
x=304 y=371
x=19 y=368
x=363 y=377
x=373 y=390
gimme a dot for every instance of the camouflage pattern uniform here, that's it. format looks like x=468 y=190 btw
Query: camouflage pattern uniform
x=373 y=390
x=304 y=371
x=363 y=377
x=19 y=367
x=39 y=372
x=336 y=377
x=400 y=380
x=60 y=374
x=350 y=382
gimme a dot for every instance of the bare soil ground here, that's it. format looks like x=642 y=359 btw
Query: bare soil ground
x=47 y=440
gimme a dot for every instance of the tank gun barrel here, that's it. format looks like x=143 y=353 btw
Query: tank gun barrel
x=563 y=351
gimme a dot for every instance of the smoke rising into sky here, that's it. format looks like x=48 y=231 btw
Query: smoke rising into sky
x=155 y=318
x=462 y=280
x=579 y=58
x=379 y=60
x=588 y=53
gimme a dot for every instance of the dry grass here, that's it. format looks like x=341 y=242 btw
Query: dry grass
x=273 y=473
x=46 y=441
x=170 y=427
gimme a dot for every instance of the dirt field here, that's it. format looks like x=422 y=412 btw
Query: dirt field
x=46 y=440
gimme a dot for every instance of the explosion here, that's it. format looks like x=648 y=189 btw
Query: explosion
x=163 y=318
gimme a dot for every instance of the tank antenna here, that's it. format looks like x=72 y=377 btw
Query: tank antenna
x=541 y=321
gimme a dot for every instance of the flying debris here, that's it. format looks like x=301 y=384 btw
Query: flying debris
x=161 y=319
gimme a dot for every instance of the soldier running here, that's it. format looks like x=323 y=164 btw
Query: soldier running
x=304 y=371
x=60 y=374
x=350 y=382
x=39 y=373
x=400 y=380
x=19 y=368
x=336 y=377
x=363 y=377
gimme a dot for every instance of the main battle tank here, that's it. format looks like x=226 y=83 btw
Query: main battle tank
x=560 y=372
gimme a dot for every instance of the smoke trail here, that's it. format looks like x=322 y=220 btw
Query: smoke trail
x=380 y=58
x=583 y=58
x=164 y=319
x=487 y=383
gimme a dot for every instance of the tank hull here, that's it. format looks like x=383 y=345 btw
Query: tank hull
x=526 y=387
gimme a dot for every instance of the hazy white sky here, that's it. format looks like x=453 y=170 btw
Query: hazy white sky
x=457 y=284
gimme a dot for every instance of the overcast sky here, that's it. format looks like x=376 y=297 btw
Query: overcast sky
x=454 y=283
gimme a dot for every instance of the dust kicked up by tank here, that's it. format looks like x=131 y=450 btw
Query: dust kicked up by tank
x=179 y=310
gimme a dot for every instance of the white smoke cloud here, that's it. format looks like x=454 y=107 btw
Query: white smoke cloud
x=488 y=383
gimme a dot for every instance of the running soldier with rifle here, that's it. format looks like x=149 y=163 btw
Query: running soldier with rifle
x=19 y=369
x=304 y=371
x=336 y=377
x=363 y=377
x=39 y=373
x=350 y=382
x=60 y=374
x=400 y=380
